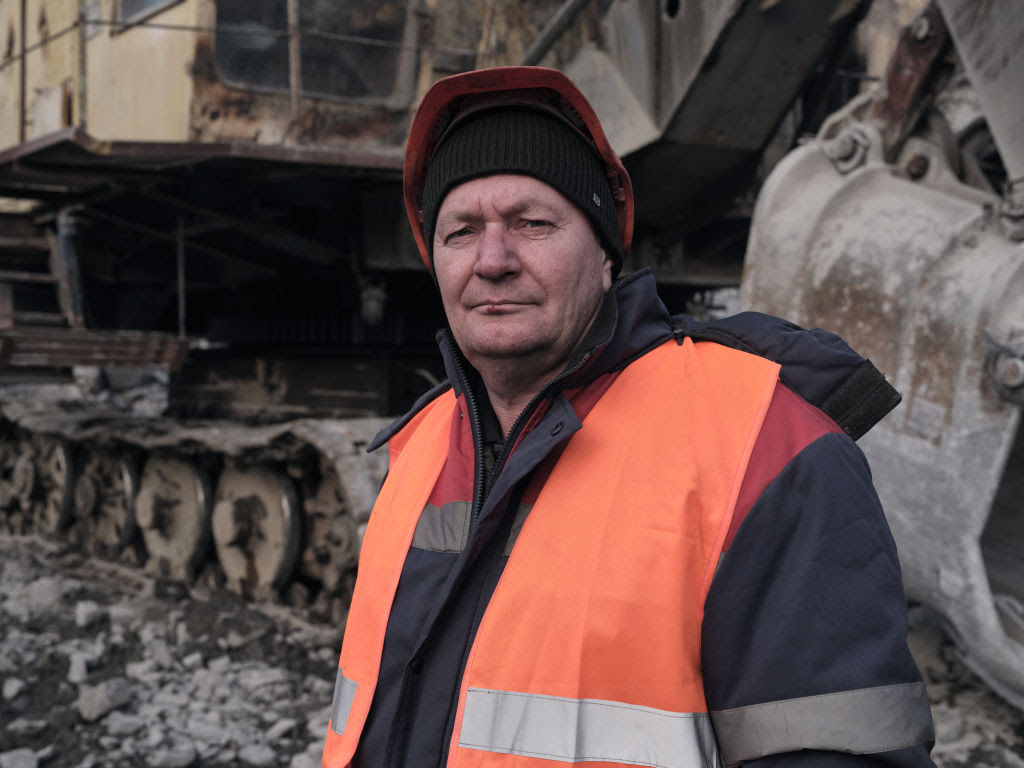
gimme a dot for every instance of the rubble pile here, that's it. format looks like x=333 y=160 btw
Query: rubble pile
x=103 y=666
x=974 y=728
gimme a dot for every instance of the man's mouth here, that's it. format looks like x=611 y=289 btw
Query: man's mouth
x=498 y=306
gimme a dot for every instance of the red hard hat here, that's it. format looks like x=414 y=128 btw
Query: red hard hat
x=453 y=98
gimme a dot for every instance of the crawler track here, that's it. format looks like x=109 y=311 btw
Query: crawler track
x=271 y=512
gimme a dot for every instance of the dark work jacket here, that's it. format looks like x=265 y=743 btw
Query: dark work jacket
x=807 y=600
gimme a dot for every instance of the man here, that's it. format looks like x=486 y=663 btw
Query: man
x=612 y=535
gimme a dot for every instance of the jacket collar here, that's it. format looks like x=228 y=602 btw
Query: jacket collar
x=631 y=320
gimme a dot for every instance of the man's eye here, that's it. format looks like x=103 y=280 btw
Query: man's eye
x=457 y=233
x=536 y=223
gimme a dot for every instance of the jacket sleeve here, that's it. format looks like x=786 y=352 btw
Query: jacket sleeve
x=804 y=650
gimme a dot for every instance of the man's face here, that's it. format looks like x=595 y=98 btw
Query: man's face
x=521 y=272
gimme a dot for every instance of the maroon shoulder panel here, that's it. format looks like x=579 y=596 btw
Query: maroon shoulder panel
x=790 y=425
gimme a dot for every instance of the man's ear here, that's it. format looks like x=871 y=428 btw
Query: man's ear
x=606 y=271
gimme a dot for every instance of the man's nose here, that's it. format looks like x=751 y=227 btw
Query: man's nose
x=496 y=258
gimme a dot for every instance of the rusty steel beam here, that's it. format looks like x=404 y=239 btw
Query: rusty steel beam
x=39 y=318
x=24 y=243
x=557 y=24
x=60 y=348
x=152 y=156
x=14 y=276
x=908 y=80
x=64 y=266
x=6 y=306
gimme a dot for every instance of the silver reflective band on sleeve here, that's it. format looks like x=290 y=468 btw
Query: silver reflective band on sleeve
x=344 y=693
x=585 y=730
x=858 y=722
x=444 y=528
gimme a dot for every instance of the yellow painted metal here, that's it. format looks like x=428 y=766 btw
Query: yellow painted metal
x=138 y=77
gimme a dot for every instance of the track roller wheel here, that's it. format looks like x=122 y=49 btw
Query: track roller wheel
x=9 y=501
x=256 y=529
x=332 y=537
x=54 y=481
x=173 y=512
x=105 y=503
x=23 y=477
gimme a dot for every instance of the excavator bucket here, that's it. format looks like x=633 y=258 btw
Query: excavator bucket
x=883 y=231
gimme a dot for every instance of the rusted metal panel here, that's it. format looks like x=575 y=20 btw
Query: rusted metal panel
x=64 y=267
x=26 y=277
x=879 y=33
x=20 y=233
x=89 y=74
x=6 y=310
x=51 y=63
x=245 y=90
x=71 y=347
x=560 y=20
x=908 y=80
x=72 y=150
x=727 y=74
x=129 y=101
x=274 y=388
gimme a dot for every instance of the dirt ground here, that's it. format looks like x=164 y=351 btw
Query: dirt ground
x=102 y=665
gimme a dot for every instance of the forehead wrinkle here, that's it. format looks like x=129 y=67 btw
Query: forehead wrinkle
x=479 y=209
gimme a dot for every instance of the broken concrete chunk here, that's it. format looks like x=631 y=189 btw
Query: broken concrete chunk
x=258 y=755
x=282 y=727
x=88 y=613
x=23 y=727
x=180 y=754
x=78 y=668
x=121 y=724
x=97 y=701
x=13 y=686
x=19 y=758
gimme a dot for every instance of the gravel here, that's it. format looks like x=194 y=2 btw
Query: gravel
x=103 y=665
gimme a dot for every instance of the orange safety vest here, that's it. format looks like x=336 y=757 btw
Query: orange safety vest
x=589 y=649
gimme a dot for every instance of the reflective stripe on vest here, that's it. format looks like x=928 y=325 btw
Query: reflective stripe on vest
x=584 y=730
x=589 y=649
x=341 y=704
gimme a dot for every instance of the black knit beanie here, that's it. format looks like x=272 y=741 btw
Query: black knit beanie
x=531 y=143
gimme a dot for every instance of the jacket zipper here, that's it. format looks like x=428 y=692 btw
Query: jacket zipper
x=477 y=431
x=513 y=435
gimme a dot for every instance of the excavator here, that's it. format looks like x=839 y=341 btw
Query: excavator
x=210 y=300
